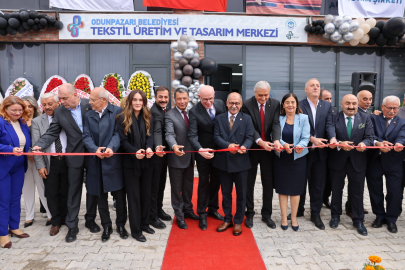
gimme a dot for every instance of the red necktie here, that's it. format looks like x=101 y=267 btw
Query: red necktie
x=164 y=110
x=185 y=117
x=262 y=121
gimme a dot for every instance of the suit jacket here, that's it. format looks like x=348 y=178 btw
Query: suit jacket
x=301 y=133
x=103 y=132
x=271 y=118
x=63 y=119
x=323 y=122
x=39 y=125
x=395 y=134
x=362 y=132
x=9 y=140
x=159 y=131
x=401 y=112
x=176 y=134
x=201 y=132
x=242 y=133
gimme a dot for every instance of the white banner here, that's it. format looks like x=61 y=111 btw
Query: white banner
x=171 y=27
x=372 y=8
x=94 y=5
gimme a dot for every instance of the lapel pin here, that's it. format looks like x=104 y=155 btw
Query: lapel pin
x=241 y=119
x=395 y=122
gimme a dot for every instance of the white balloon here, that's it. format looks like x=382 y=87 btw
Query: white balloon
x=182 y=46
x=335 y=36
x=365 y=27
x=190 y=95
x=338 y=21
x=177 y=56
x=176 y=84
x=364 y=39
x=354 y=25
x=372 y=22
x=329 y=28
x=196 y=95
x=361 y=20
x=189 y=106
x=358 y=34
x=347 y=18
x=188 y=54
x=344 y=28
x=197 y=85
x=194 y=101
x=173 y=46
x=196 y=55
x=184 y=38
x=354 y=42
x=191 y=39
x=192 y=45
x=328 y=18
x=348 y=37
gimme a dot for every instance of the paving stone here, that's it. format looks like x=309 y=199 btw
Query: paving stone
x=77 y=265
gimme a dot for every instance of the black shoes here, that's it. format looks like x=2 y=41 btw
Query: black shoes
x=106 y=234
x=182 y=224
x=295 y=228
x=140 y=238
x=149 y=230
x=71 y=235
x=163 y=216
x=216 y=215
x=122 y=232
x=92 y=226
x=299 y=214
x=378 y=223
x=203 y=223
x=157 y=223
x=27 y=224
x=284 y=227
x=334 y=223
x=316 y=219
x=191 y=216
x=249 y=222
x=392 y=227
x=269 y=222
x=48 y=222
x=360 y=228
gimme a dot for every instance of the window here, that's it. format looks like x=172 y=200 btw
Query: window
x=394 y=73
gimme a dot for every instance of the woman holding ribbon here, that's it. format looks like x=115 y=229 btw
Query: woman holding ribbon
x=14 y=138
x=289 y=165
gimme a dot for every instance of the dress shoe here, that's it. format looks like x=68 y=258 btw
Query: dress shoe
x=92 y=226
x=216 y=215
x=157 y=223
x=334 y=223
x=182 y=224
x=149 y=230
x=316 y=219
x=284 y=227
x=295 y=228
x=71 y=235
x=326 y=203
x=140 y=238
x=8 y=245
x=106 y=234
x=249 y=222
x=224 y=226
x=237 y=229
x=360 y=228
x=54 y=230
x=203 y=224
x=23 y=235
x=392 y=227
x=269 y=222
x=27 y=224
x=191 y=216
x=48 y=222
x=378 y=223
x=122 y=232
x=163 y=216
x=299 y=214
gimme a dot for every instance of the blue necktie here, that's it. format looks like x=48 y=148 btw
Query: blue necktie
x=212 y=116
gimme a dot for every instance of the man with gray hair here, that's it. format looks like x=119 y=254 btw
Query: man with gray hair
x=53 y=169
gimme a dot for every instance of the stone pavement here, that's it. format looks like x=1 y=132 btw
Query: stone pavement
x=309 y=248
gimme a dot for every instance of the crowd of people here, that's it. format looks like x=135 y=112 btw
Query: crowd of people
x=129 y=161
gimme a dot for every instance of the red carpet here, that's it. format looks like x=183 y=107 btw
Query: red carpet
x=196 y=249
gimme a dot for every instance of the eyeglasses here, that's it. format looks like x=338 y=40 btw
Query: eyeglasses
x=207 y=99
x=234 y=104
x=16 y=111
x=392 y=108
x=93 y=100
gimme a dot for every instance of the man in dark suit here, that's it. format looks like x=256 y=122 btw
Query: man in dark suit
x=350 y=128
x=233 y=129
x=52 y=169
x=320 y=116
x=401 y=114
x=201 y=137
x=70 y=118
x=389 y=130
x=181 y=164
x=105 y=172
x=158 y=110
x=265 y=113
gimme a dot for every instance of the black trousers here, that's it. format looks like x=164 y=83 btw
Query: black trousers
x=227 y=181
x=356 y=189
x=102 y=203
x=208 y=188
x=315 y=175
x=56 y=190
x=182 y=182
x=158 y=188
x=402 y=185
x=265 y=159
x=375 y=185
x=328 y=185
x=138 y=190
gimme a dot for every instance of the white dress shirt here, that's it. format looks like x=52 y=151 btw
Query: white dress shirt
x=62 y=137
x=313 y=110
x=212 y=110
x=362 y=109
x=229 y=117
x=181 y=112
x=346 y=121
x=101 y=113
x=264 y=112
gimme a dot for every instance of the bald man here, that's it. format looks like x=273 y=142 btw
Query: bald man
x=201 y=137
x=351 y=128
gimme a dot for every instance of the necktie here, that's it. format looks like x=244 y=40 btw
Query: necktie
x=388 y=123
x=263 y=135
x=231 y=122
x=185 y=117
x=164 y=110
x=58 y=145
x=349 y=126
x=212 y=115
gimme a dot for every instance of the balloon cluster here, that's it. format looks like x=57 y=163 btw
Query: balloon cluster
x=387 y=33
x=317 y=27
x=188 y=68
x=26 y=20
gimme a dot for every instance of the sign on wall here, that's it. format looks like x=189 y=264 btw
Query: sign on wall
x=372 y=8
x=303 y=7
x=170 y=27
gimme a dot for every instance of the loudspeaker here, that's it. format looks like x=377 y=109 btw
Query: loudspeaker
x=364 y=81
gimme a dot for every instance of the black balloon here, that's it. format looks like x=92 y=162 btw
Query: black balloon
x=394 y=27
x=35 y=28
x=18 y=46
x=381 y=40
x=11 y=30
x=182 y=62
x=13 y=22
x=178 y=74
x=318 y=27
x=195 y=62
x=1 y=15
x=7 y=16
x=392 y=41
x=322 y=31
x=36 y=20
x=29 y=45
x=208 y=66
x=374 y=32
x=24 y=15
x=21 y=29
x=22 y=9
x=188 y=70
x=51 y=26
x=371 y=41
x=31 y=22
x=3 y=23
x=308 y=28
x=41 y=16
x=3 y=32
x=15 y=15
x=380 y=25
x=197 y=73
x=33 y=14
x=186 y=81
x=50 y=19
x=40 y=26
x=58 y=25
x=176 y=66
x=26 y=26
x=43 y=21
x=313 y=29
